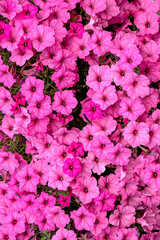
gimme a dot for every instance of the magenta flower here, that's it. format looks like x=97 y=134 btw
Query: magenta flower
x=64 y=201
x=92 y=111
x=24 y=44
x=5 y=30
x=72 y=167
x=76 y=29
x=76 y=149
x=19 y=99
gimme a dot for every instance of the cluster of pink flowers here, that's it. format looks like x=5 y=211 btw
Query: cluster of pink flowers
x=97 y=181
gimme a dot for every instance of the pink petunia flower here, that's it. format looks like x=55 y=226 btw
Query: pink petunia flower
x=5 y=101
x=93 y=111
x=86 y=189
x=119 y=155
x=100 y=223
x=32 y=89
x=106 y=97
x=5 y=30
x=98 y=77
x=131 y=108
x=43 y=37
x=136 y=134
x=64 y=102
x=8 y=162
x=6 y=77
x=28 y=180
x=152 y=175
x=93 y=6
x=40 y=108
x=100 y=42
x=64 y=234
x=105 y=201
x=57 y=216
x=129 y=59
x=146 y=22
x=20 y=57
x=24 y=44
x=83 y=219
x=15 y=223
x=64 y=201
x=76 y=149
x=76 y=29
x=123 y=216
x=100 y=146
x=72 y=167
x=58 y=179
x=8 y=125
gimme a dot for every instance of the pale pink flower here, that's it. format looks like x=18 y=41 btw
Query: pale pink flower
x=100 y=42
x=105 y=201
x=64 y=234
x=93 y=6
x=43 y=37
x=150 y=51
x=98 y=77
x=106 y=97
x=8 y=125
x=32 y=89
x=83 y=219
x=152 y=175
x=131 y=108
x=20 y=57
x=129 y=59
x=64 y=102
x=100 y=223
x=28 y=180
x=119 y=155
x=106 y=125
x=123 y=216
x=40 y=108
x=57 y=216
x=146 y=22
x=100 y=146
x=86 y=189
x=58 y=179
x=136 y=133
x=15 y=223
x=154 y=136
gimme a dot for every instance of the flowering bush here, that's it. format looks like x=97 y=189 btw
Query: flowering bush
x=80 y=119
